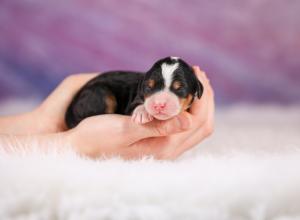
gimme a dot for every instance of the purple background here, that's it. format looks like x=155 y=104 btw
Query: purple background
x=250 y=49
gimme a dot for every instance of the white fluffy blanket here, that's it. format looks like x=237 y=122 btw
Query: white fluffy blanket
x=249 y=169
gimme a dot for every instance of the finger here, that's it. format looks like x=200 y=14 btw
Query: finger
x=195 y=139
x=198 y=104
x=126 y=131
x=156 y=128
x=196 y=136
x=167 y=147
x=64 y=93
x=129 y=132
x=199 y=108
x=76 y=81
x=153 y=147
x=73 y=83
x=207 y=101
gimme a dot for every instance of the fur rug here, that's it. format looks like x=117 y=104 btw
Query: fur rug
x=249 y=169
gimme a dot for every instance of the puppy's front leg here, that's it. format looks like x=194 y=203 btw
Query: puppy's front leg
x=140 y=115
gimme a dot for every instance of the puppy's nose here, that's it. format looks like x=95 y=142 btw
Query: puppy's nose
x=159 y=106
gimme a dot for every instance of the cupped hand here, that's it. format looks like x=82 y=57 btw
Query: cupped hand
x=113 y=135
x=51 y=113
x=116 y=135
x=49 y=116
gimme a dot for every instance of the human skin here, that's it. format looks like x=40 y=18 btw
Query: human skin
x=111 y=134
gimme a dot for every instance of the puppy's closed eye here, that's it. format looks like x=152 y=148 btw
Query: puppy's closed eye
x=177 y=85
x=150 y=83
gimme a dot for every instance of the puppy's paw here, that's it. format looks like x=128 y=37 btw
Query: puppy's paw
x=140 y=115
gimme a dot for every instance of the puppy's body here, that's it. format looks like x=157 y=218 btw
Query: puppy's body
x=168 y=88
x=109 y=92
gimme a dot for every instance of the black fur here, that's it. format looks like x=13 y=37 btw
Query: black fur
x=89 y=101
x=129 y=90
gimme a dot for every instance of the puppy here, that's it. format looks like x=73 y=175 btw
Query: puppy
x=164 y=91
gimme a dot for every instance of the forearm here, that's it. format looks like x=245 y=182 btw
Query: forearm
x=18 y=124
x=34 y=122
x=26 y=143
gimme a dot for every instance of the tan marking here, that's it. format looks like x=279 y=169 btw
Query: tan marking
x=186 y=102
x=111 y=104
x=176 y=85
x=146 y=96
x=151 y=83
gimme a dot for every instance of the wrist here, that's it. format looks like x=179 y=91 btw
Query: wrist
x=46 y=122
x=24 y=123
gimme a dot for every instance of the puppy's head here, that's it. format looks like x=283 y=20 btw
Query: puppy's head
x=169 y=87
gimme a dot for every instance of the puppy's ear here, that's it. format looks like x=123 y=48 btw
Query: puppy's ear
x=199 y=89
x=197 y=85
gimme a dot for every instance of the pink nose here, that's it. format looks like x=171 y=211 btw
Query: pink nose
x=159 y=106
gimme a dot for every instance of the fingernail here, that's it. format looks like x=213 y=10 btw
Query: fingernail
x=197 y=67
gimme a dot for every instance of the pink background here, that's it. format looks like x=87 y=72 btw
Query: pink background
x=250 y=49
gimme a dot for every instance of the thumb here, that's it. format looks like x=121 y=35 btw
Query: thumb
x=156 y=128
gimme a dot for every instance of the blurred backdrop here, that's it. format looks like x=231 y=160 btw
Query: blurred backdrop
x=249 y=49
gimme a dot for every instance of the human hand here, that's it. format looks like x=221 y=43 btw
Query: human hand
x=117 y=135
x=113 y=135
x=129 y=140
x=49 y=117
x=51 y=113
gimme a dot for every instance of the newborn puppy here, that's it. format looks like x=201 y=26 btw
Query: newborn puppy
x=164 y=91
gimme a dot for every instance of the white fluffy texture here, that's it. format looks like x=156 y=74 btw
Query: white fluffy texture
x=249 y=169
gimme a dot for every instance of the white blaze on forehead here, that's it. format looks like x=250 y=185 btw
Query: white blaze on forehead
x=167 y=71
